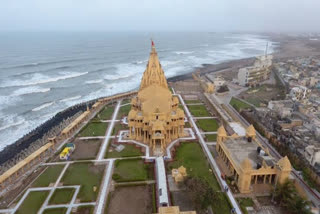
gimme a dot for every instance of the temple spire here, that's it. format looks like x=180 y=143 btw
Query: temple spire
x=153 y=74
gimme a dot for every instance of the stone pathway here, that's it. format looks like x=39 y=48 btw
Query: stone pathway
x=105 y=143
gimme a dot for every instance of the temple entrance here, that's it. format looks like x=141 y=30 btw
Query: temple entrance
x=157 y=150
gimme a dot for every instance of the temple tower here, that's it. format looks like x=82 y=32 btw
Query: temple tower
x=155 y=118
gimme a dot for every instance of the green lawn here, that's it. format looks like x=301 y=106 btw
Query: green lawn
x=105 y=113
x=128 y=151
x=55 y=211
x=117 y=127
x=130 y=170
x=221 y=204
x=94 y=129
x=62 y=196
x=123 y=111
x=211 y=137
x=245 y=202
x=50 y=175
x=199 y=111
x=88 y=176
x=125 y=101
x=33 y=202
x=192 y=101
x=238 y=104
x=208 y=125
x=191 y=156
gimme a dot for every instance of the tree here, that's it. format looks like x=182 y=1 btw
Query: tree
x=300 y=206
x=288 y=197
x=201 y=193
x=285 y=192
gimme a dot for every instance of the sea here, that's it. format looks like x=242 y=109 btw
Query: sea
x=42 y=73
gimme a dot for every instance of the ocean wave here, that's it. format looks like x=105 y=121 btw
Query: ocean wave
x=30 y=90
x=12 y=125
x=35 y=64
x=70 y=98
x=41 y=79
x=93 y=81
x=140 y=62
x=42 y=106
x=183 y=52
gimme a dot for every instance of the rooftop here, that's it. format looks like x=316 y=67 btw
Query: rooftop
x=241 y=149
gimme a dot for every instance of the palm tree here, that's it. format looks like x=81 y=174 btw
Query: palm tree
x=285 y=192
x=300 y=206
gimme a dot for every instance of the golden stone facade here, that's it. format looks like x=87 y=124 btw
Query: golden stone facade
x=155 y=117
x=249 y=162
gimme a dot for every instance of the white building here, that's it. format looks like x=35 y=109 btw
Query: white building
x=299 y=93
x=259 y=72
x=218 y=81
x=312 y=154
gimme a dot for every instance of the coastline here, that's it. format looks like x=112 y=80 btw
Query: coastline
x=288 y=47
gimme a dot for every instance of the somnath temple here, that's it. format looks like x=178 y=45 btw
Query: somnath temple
x=155 y=118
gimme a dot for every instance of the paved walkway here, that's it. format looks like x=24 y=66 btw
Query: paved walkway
x=92 y=138
x=104 y=145
x=208 y=132
x=199 y=118
x=104 y=190
x=209 y=155
x=211 y=143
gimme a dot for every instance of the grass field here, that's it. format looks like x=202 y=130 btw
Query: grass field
x=238 y=104
x=117 y=127
x=62 y=196
x=123 y=111
x=221 y=204
x=55 y=211
x=105 y=113
x=208 y=125
x=50 y=175
x=130 y=170
x=245 y=202
x=199 y=111
x=33 y=202
x=192 y=101
x=128 y=151
x=191 y=156
x=88 y=176
x=94 y=129
x=211 y=137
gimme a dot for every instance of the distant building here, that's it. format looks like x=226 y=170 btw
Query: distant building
x=249 y=163
x=299 y=93
x=155 y=117
x=283 y=108
x=218 y=81
x=259 y=72
x=312 y=154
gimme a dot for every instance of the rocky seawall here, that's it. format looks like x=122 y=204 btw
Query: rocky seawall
x=27 y=144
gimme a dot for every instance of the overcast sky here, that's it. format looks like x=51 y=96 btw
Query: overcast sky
x=160 y=15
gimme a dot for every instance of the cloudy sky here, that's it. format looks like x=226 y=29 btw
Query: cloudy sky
x=160 y=15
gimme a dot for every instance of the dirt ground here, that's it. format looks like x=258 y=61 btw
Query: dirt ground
x=261 y=94
x=86 y=149
x=181 y=199
x=131 y=199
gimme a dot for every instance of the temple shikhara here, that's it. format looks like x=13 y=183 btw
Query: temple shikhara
x=155 y=117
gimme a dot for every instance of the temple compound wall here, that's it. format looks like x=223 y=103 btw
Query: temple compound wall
x=155 y=117
x=249 y=163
